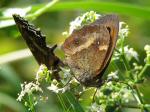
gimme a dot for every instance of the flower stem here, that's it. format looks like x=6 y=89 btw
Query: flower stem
x=41 y=10
x=135 y=86
x=143 y=70
x=31 y=103
x=139 y=95
x=127 y=66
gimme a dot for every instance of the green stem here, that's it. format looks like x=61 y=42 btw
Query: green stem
x=137 y=92
x=127 y=66
x=139 y=98
x=146 y=106
x=36 y=13
x=139 y=95
x=140 y=75
x=42 y=10
x=131 y=106
x=31 y=103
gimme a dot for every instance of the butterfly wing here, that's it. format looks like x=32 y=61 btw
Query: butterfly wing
x=89 y=49
x=111 y=22
x=37 y=43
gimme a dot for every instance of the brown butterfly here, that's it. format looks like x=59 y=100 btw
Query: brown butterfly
x=88 y=50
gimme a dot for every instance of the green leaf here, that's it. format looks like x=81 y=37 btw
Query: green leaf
x=11 y=103
x=10 y=76
x=86 y=97
x=73 y=102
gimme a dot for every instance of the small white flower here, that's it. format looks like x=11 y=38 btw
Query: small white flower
x=109 y=83
x=65 y=33
x=113 y=75
x=100 y=94
x=130 y=52
x=147 y=49
x=137 y=67
x=28 y=89
x=95 y=108
x=123 y=30
x=82 y=20
x=55 y=89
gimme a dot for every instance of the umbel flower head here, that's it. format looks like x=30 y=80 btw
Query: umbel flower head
x=82 y=20
x=28 y=88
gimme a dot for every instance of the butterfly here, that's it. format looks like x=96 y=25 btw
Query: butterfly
x=88 y=50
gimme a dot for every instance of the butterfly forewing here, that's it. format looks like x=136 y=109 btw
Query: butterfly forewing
x=36 y=42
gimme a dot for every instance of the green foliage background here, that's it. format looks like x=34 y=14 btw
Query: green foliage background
x=53 y=21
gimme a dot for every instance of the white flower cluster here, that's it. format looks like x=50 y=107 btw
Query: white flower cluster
x=129 y=53
x=82 y=20
x=28 y=89
x=110 y=93
x=123 y=30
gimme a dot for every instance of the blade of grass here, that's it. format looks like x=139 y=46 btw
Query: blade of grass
x=15 y=56
x=75 y=104
x=11 y=103
x=61 y=102
x=115 y=7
